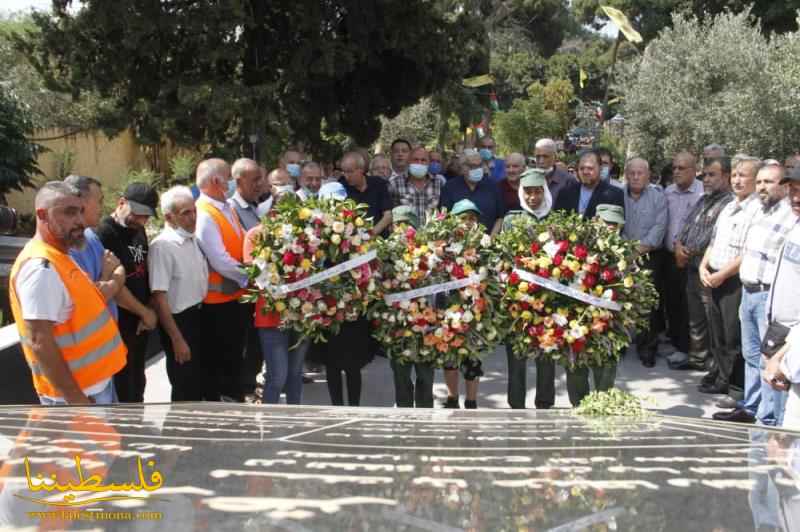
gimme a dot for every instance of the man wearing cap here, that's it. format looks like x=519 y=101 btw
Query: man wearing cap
x=124 y=235
x=535 y=199
x=221 y=238
x=482 y=193
x=410 y=393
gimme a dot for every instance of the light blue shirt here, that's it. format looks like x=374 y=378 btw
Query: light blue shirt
x=583 y=201
x=90 y=260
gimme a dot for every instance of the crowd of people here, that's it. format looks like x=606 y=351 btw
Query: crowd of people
x=719 y=235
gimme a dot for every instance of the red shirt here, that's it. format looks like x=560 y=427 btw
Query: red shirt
x=270 y=319
x=510 y=195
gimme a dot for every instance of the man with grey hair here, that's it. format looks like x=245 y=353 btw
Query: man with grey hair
x=369 y=190
x=646 y=221
x=179 y=283
x=249 y=180
x=100 y=264
x=71 y=362
x=719 y=272
x=509 y=186
x=221 y=237
x=545 y=154
x=310 y=180
x=713 y=150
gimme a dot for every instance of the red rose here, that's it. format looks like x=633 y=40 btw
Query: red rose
x=590 y=281
x=458 y=272
x=566 y=273
x=535 y=248
x=347 y=213
x=563 y=246
x=330 y=301
x=422 y=322
x=539 y=330
x=524 y=305
x=513 y=279
x=580 y=251
x=594 y=268
x=607 y=276
x=559 y=332
x=532 y=331
x=289 y=258
x=517 y=261
x=423 y=264
x=558 y=259
x=543 y=272
x=578 y=345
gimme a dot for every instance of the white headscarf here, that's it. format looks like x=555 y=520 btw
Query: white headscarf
x=544 y=208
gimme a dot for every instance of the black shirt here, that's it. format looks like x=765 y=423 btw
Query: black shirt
x=130 y=247
x=375 y=196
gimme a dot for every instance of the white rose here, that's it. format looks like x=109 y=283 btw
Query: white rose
x=294 y=302
x=336 y=239
x=467 y=317
x=338 y=227
x=551 y=248
x=486 y=241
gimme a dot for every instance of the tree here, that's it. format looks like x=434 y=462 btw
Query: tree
x=718 y=80
x=650 y=17
x=211 y=73
x=17 y=153
x=419 y=124
x=528 y=120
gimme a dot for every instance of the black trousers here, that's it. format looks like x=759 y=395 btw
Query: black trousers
x=130 y=380
x=225 y=328
x=726 y=330
x=647 y=340
x=675 y=303
x=185 y=378
x=253 y=359
x=699 y=298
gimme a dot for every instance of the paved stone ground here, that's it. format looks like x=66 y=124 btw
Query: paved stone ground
x=671 y=392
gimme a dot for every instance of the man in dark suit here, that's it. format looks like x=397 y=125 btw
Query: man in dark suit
x=585 y=195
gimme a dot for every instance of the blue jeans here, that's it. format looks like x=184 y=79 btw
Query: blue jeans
x=106 y=396
x=284 y=365
x=753 y=318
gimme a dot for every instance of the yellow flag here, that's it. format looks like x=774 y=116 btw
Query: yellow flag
x=622 y=22
x=584 y=78
x=478 y=81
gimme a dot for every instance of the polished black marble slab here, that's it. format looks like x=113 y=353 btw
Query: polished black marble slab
x=248 y=467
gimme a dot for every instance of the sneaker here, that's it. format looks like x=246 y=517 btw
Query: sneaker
x=452 y=402
x=470 y=404
x=678 y=357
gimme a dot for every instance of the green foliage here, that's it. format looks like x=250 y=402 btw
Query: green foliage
x=651 y=16
x=719 y=80
x=419 y=124
x=17 y=154
x=182 y=167
x=558 y=95
x=613 y=402
x=614 y=144
x=211 y=73
x=65 y=161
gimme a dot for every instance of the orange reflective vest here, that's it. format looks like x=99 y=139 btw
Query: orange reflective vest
x=222 y=289
x=89 y=340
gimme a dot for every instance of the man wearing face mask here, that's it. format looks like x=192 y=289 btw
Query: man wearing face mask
x=545 y=155
x=497 y=167
x=435 y=168
x=608 y=170
x=310 y=181
x=474 y=187
x=419 y=190
x=123 y=234
x=292 y=161
x=221 y=237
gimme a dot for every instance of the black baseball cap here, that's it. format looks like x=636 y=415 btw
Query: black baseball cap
x=142 y=198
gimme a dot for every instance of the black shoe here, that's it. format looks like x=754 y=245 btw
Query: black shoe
x=470 y=404
x=738 y=416
x=697 y=366
x=709 y=379
x=452 y=402
x=648 y=361
x=307 y=379
x=728 y=403
x=714 y=389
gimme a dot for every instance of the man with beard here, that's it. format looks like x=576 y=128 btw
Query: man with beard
x=73 y=350
x=123 y=234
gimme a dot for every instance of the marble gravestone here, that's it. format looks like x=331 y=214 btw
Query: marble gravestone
x=216 y=466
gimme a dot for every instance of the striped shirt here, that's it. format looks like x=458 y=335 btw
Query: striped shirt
x=646 y=217
x=730 y=231
x=763 y=242
x=423 y=200
x=679 y=202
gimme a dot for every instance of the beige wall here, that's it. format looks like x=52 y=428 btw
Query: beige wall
x=95 y=155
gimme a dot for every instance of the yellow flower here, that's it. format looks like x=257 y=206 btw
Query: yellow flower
x=628 y=282
x=622 y=265
x=320 y=254
x=599 y=290
x=408 y=258
x=304 y=213
x=573 y=237
x=280 y=306
x=556 y=273
x=526 y=315
x=545 y=262
x=523 y=287
x=544 y=237
x=359 y=222
x=305 y=264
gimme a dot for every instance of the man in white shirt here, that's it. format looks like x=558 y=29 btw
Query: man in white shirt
x=310 y=181
x=221 y=237
x=179 y=283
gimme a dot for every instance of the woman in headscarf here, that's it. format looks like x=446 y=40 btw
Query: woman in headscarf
x=535 y=200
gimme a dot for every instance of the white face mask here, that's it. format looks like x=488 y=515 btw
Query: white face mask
x=183 y=232
x=475 y=175
x=418 y=170
x=283 y=189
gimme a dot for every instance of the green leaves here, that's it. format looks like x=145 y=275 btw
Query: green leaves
x=614 y=402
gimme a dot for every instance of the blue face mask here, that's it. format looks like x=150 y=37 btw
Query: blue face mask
x=418 y=170
x=293 y=169
x=231 y=188
x=486 y=154
x=435 y=168
x=605 y=172
x=475 y=175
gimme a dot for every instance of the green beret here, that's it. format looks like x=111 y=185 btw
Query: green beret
x=613 y=214
x=404 y=213
x=533 y=177
x=465 y=206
